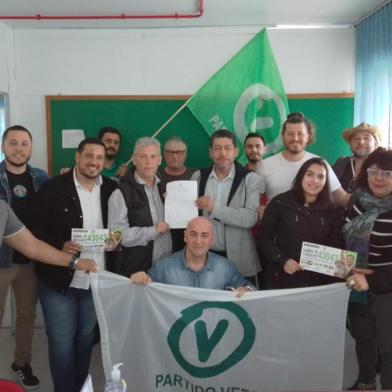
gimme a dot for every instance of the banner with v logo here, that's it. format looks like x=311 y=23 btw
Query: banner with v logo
x=180 y=339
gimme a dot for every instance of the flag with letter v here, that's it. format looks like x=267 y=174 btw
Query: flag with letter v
x=186 y=339
x=245 y=95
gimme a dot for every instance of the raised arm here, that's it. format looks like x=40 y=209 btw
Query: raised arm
x=24 y=242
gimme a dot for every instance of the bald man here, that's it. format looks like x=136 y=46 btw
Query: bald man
x=195 y=266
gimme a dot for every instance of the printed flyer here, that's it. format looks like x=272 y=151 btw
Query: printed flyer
x=97 y=240
x=327 y=260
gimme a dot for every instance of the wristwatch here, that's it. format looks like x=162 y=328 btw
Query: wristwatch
x=72 y=263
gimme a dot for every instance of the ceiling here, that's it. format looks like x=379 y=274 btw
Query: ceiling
x=192 y=13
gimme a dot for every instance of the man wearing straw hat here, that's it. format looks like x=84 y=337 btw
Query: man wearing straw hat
x=363 y=139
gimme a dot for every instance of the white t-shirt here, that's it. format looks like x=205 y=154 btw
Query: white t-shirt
x=277 y=174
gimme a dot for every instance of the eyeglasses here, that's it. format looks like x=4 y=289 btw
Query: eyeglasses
x=175 y=152
x=387 y=174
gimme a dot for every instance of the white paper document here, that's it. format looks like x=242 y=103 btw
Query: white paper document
x=180 y=205
x=72 y=137
x=88 y=385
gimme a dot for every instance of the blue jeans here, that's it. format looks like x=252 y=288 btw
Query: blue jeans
x=70 y=322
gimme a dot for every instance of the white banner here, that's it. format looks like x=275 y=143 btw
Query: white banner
x=179 y=339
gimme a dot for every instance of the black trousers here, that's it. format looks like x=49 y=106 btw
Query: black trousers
x=371 y=327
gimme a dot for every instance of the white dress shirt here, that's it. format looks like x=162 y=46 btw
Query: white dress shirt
x=90 y=202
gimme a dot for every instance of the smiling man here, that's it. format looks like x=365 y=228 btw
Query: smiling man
x=111 y=138
x=195 y=266
x=279 y=171
x=229 y=196
x=18 y=184
x=136 y=208
x=77 y=199
x=363 y=140
x=254 y=147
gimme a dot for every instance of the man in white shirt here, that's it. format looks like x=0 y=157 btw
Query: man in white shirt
x=77 y=199
x=279 y=171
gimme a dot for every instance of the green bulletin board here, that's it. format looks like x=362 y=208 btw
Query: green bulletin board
x=137 y=116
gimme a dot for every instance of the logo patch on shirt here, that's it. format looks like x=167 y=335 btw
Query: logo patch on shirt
x=20 y=191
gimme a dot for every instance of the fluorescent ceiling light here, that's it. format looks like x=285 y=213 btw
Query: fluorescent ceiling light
x=311 y=26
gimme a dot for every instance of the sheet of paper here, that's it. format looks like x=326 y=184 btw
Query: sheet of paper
x=327 y=260
x=180 y=205
x=88 y=385
x=72 y=137
x=97 y=239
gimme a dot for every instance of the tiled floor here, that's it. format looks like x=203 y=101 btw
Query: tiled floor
x=41 y=368
x=40 y=360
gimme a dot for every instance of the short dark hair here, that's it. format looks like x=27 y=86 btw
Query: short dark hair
x=16 y=128
x=299 y=118
x=108 y=130
x=254 y=134
x=325 y=195
x=220 y=133
x=89 y=140
x=382 y=158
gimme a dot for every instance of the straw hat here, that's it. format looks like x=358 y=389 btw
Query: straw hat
x=362 y=127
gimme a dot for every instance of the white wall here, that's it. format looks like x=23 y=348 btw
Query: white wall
x=35 y=63
x=6 y=58
x=160 y=62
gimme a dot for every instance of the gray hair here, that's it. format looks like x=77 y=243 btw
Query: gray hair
x=176 y=139
x=144 y=142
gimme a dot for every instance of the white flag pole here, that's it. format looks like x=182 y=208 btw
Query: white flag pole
x=171 y=118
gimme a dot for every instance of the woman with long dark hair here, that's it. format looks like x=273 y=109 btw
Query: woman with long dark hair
x=304 y=213
x=368 y=231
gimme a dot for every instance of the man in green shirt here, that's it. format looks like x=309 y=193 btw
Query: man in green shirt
x=111 y=138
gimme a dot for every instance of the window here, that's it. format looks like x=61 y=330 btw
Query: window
x=373 y=72
x=3 y=108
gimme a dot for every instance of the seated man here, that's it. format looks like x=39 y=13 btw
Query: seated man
x=195 y=266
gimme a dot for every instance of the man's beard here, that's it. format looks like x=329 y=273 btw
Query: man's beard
x=17 y=164
x=110 y=155
x=361 y=155
x=295 y=151
x=91 y=177
x=86 y=175
x=253 y=160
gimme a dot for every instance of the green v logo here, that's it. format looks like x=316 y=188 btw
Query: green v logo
x=206 y=345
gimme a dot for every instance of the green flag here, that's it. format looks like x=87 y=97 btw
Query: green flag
x=245 y=95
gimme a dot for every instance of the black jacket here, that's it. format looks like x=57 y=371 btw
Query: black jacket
x=285 y=225
x=135 y=258
x=55 y=212
x=380 y=251
x=344 y=173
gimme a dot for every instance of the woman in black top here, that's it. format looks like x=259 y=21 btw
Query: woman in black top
x=368 y=231
x=305 y=213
